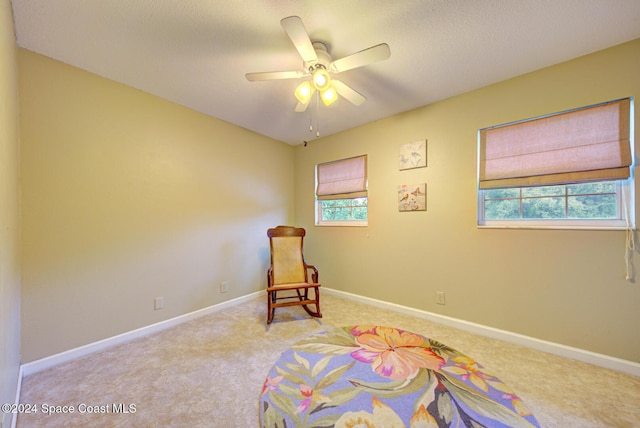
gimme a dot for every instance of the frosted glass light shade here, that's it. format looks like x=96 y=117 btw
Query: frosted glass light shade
x=304 y=91
x=321 y=79
x=329 y=96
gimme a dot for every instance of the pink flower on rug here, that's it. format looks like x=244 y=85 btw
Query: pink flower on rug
x=304 y=405
x=395 y=354
x=271 y=384
x=518 y=405
x=362 y=329
x=310 y=397
x=468 y=370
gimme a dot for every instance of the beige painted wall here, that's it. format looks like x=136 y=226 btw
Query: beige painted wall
x=127 y=197
x=9 y=209
x=558 y=285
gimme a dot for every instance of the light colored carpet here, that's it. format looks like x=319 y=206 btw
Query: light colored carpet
x=209 y=372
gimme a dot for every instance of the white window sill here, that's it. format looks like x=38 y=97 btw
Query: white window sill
x=344 y=223
x=557 y=225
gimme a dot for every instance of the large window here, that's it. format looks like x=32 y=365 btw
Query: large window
x=567 y=170
x=341 y=192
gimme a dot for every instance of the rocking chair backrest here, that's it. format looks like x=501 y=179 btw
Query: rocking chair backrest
x=287 y=259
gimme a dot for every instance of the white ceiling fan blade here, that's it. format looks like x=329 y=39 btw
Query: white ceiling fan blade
x=302 y=107
x=274 y=75
x=348 y=93
x=373 y=54
x=294 y=28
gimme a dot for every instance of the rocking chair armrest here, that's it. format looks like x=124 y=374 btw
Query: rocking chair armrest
x=270 y=276
x=314 y=274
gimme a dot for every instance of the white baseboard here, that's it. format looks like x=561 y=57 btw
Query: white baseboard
x=594 y=358
x=72 y=354
x=14 y=416
x=600 y=360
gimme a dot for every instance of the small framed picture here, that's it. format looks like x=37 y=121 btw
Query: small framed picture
x=412 y=197
x=413 y=155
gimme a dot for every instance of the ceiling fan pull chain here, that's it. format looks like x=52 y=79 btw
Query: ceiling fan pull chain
x=317 y=114
x=311 y=113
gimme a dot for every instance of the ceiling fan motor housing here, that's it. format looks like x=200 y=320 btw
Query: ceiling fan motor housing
x=324 y=59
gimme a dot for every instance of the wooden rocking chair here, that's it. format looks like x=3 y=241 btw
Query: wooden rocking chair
x=289 y=272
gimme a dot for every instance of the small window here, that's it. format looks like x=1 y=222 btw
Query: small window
x=566 y=170
x=341 y=192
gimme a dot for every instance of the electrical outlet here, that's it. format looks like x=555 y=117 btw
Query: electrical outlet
x=440 y=297
x=158 y=303
x=224 y=286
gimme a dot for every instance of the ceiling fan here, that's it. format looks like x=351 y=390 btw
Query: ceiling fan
x=319 y=66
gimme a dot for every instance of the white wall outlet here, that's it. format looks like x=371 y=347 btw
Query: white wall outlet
x=224 y=286
x=440 y=297
x=158 y=303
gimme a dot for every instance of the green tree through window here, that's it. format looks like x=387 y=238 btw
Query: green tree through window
x=344 y=209
x=568 y=201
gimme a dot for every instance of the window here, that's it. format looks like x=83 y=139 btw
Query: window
x=567 y=170
x=341 y=192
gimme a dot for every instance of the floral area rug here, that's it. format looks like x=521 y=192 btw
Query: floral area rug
x=374 y=376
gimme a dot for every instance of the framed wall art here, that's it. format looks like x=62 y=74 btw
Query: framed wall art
x=413 y=155
x=412 y=197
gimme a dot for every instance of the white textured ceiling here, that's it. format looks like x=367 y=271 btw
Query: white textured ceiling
x=196 y=52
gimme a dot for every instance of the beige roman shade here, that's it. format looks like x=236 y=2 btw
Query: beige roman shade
x=342 y=179
x=588 y=144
